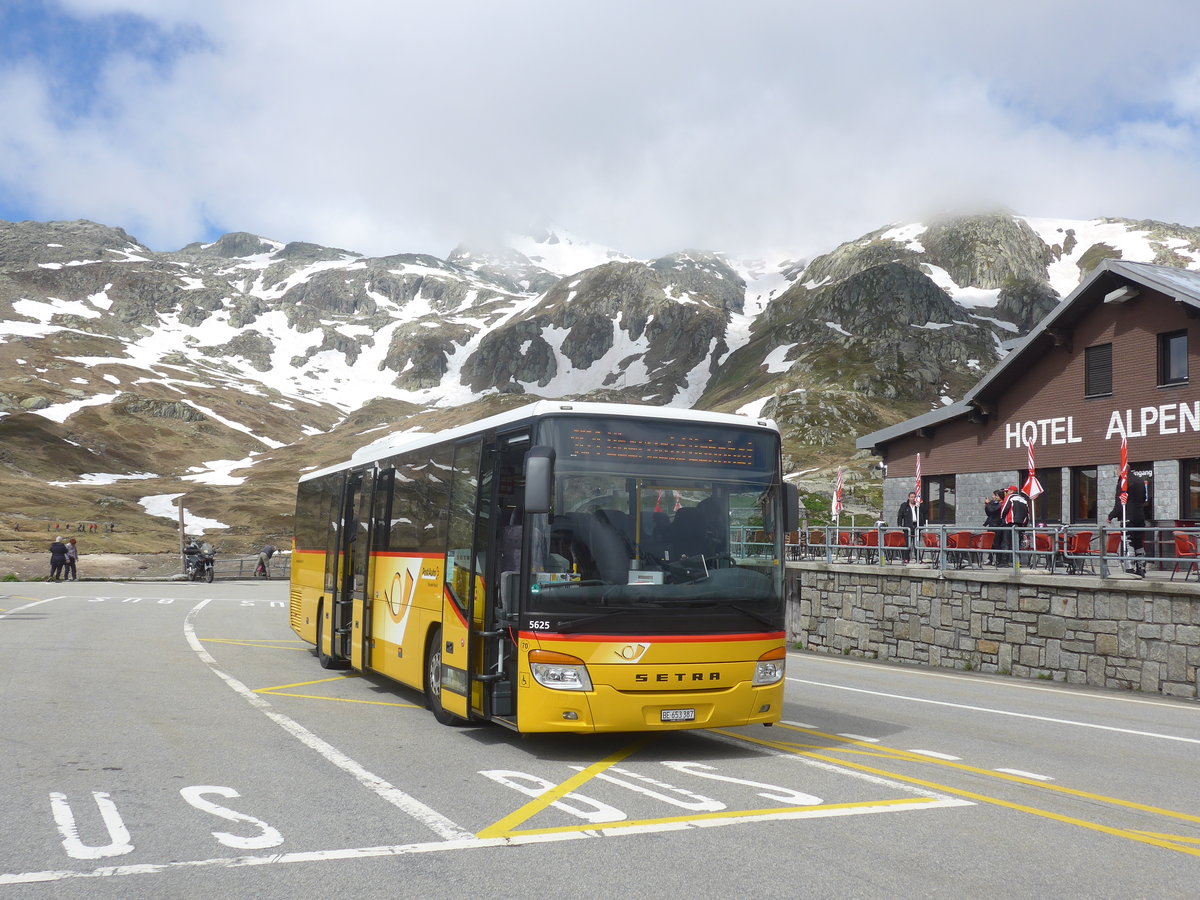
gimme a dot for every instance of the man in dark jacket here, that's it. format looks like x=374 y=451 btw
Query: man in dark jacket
x=993 y=523
x=1133 y=521
x=911 y=516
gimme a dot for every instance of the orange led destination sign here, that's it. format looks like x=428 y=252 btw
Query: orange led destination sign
x=594 y=443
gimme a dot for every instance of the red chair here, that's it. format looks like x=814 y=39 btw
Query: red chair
x=896 y=543
x=958 y=548
x=1080 y=553
x=1043 y=548
x=1185 y=548
x=932 y=546
x=981 y=545
x=847 y=544
x=869 y=542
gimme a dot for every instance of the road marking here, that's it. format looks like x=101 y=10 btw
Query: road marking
x=268 y=644
x=897 y=755
x=541 y=836
x=936 y=755
x=1000 y=712
x=539 y=803
x=859 y=737
x=8 y=612
x=999 y=681
x=1021 y=774
x=426 y=815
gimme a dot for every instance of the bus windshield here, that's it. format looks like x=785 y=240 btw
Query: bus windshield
x=658 y=525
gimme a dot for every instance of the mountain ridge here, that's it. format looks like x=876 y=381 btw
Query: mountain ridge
x=223 y=370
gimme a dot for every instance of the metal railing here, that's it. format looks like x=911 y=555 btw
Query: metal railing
x=1073 y=549
x=234 y=568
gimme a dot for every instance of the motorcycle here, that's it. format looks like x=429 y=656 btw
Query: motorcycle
x=198 y=562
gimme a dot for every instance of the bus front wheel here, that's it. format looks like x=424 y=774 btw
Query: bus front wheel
x=326 y=660
x=433 y=680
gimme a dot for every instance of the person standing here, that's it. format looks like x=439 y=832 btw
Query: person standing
x=58 y=559
x=993 y=523
x=1133 y=521
x=1014 y=512
x=72 y=559
x=264 y=560
x=910 y=516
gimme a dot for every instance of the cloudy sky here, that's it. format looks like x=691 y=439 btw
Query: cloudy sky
x=773 y=127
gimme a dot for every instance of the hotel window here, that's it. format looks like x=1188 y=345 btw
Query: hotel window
x=1047 y=507
x=1173 y=358
x=1083 y=494
x=1097 y=371
x=939 y=494
x=1189 y=487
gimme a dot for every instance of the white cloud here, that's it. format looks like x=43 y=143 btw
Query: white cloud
x=775 y=126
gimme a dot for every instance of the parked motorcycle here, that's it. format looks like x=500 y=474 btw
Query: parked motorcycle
x=198 y=561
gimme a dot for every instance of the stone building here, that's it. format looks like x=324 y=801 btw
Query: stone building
x=1115 y=358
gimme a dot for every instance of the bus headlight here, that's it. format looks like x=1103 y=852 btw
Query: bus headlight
x=559 y=671
x=770 y=667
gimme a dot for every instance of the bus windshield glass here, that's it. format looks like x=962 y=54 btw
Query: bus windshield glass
x=658 y=526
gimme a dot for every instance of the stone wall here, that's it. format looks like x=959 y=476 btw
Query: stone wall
x=1136 y=635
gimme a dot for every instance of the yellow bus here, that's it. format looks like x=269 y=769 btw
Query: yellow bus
x=563 y=567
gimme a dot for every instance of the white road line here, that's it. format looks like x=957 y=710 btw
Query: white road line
x=428 y=817
x=859 y=737
x=935 y=755
x=1001 y=712
x=1022 y=774
x=13 y=612
x=1004 y=682
x=468 y=843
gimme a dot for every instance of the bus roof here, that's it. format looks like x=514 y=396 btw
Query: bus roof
x=391 y=444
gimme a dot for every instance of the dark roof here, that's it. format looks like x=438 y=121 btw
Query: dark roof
x=1182 y=285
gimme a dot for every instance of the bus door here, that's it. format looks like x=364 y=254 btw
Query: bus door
x=462 y=573
x=346 y=572
x=358 y=557
x=499 y=537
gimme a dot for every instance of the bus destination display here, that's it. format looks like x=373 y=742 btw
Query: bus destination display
x=736 y=450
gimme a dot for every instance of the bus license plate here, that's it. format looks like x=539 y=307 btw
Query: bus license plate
x=679 y=715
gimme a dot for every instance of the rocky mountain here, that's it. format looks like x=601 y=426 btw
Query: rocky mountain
x=221 y=371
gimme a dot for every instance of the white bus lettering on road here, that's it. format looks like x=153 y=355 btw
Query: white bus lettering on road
x=119 y=842
x=531 y=786
x=270 y=837
x=684 y=800
x=783 y=795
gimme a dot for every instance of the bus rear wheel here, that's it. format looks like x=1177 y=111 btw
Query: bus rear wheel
x=433 y=680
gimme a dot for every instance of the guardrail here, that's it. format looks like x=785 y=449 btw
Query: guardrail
x=1073 y=549
x=234 y=568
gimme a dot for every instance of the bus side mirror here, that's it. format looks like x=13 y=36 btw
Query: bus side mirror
x=791 y=507
x=539 y=479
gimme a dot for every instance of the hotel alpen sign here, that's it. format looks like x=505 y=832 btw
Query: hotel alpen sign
x=1164 y=419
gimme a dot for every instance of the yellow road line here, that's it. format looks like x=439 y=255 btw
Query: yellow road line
x=506 y=825
x=260 y=644
x=1140 y=837
x=906 y=756
x=284 y=687
x=718 y=816
x=338 y=699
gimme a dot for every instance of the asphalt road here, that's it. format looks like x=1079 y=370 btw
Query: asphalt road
x=176 y=740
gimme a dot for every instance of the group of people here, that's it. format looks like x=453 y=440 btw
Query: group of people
x=1009 y=511
x=64 y=555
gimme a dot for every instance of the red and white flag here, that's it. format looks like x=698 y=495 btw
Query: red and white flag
x=1032 y=487
x=1124 y=471
x=917 y=489
x=837 y=494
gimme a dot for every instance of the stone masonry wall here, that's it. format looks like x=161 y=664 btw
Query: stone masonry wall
x=1136 y=635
